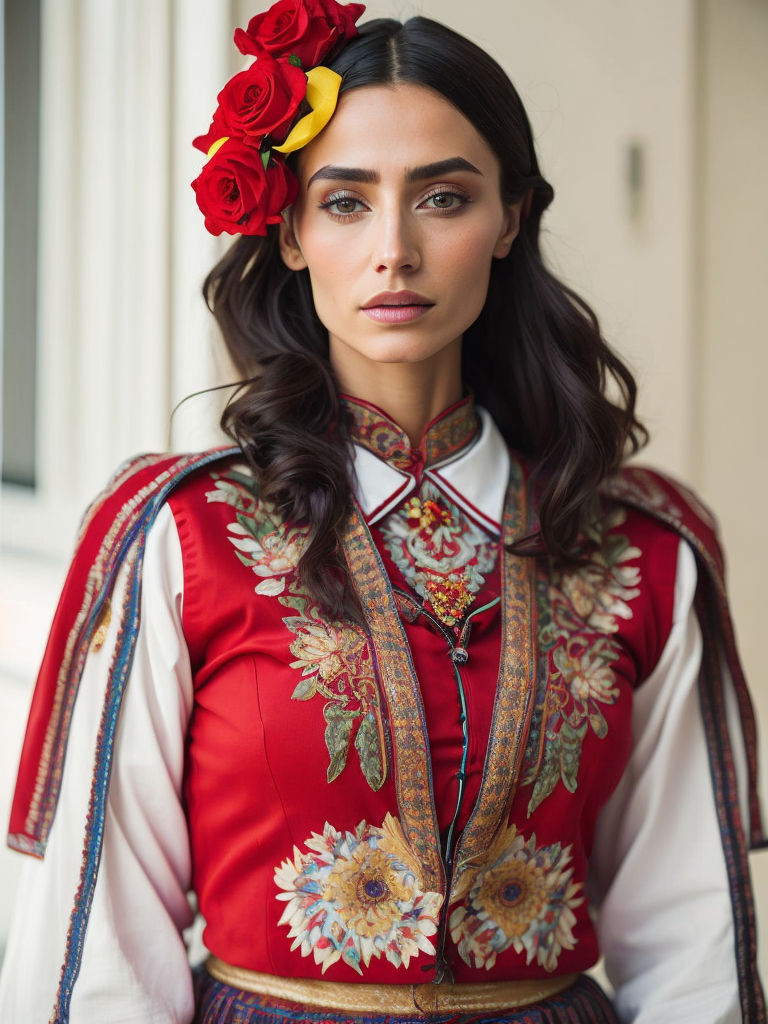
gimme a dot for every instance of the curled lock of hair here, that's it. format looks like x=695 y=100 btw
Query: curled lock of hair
x=286 y=412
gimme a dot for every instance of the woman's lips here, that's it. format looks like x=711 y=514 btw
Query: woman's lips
x=396 y=307
x=395 y=314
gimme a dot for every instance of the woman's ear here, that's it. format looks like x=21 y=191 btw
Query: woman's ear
x=510 y=231
x=290 y=250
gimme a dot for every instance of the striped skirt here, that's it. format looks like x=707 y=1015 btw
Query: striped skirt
x=219 y=1003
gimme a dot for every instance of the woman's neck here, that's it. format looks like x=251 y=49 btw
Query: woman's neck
x=412 y=394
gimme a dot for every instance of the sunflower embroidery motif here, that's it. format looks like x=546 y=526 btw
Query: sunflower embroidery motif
x=358 y=896
x=522 y=897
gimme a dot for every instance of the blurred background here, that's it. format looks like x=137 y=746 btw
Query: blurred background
x=651 y=125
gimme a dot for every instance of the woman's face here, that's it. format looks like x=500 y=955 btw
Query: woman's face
x=398 y=217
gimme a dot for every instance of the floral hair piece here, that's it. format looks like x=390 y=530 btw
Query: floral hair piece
x=274 y=107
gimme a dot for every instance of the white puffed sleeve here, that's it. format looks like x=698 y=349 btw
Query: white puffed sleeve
x=660 y=880
x=134 y=964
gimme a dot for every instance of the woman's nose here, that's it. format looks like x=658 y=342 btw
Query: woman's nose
x=396 y=244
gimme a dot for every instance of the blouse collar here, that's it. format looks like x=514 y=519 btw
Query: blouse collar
x=462 y=453
x=445 y=436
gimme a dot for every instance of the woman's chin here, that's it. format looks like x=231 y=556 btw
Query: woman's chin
x=394 y=346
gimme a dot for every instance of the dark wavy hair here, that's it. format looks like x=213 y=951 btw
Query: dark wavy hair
x=535 y=357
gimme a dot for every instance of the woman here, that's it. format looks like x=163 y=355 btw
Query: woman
x=417 y=695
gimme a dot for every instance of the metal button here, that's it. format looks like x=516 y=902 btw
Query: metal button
x=460 y=656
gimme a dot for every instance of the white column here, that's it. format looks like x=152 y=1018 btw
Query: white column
x=197 y=359
x=124 y=333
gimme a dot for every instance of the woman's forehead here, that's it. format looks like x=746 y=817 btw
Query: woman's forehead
x=395 y=127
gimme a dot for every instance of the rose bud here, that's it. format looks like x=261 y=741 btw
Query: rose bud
x=308 y=29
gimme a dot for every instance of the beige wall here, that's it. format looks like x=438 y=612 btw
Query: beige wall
x=730 y=359
x=583 y=72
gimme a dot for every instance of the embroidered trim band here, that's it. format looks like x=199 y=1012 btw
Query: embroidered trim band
x=393 y=999
x=446 y=435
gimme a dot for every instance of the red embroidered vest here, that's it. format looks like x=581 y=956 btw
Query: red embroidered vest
x=385 y=805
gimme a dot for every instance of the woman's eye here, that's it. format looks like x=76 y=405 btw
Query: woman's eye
x=342 y=206
x=445 y=201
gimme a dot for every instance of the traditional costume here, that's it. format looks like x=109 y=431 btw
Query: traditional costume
x=446 y=814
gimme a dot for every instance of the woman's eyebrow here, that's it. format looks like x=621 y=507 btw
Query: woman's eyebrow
x=333 y=173
x=435 y=170
x=370 y=177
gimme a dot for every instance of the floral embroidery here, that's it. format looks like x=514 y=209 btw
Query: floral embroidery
x=520 y=896
x=334 y=657
x=357 y=896
x=579 y=611
x=263 y=541
x=443 y=556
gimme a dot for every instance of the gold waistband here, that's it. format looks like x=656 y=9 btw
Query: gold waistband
x=361 y=997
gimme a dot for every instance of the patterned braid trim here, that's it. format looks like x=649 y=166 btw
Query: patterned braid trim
x=131 y=555
x=724 y=784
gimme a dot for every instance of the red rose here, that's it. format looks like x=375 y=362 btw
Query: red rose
x=218 y=130
x=308 y=29
x=237 y=195
x=262 y=100
x=282 y=189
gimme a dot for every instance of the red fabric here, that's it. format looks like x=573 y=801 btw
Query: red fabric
x=245 y=726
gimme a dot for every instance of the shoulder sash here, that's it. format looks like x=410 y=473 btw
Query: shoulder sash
x=113 y=532
x=677 y=507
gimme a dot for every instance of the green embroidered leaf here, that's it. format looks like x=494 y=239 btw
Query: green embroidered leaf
x=245 y=479
x=296 y=603
x=549 y=773
x=547 y=633
x=570 y=753
x=306 y=689
x=248 y=523
x=369 y=750
x=614 y=547
x=337 y=733
x=598 y=723
x=545 y=622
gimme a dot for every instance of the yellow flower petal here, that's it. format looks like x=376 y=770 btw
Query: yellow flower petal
x=217 y=146
x=322 y=95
